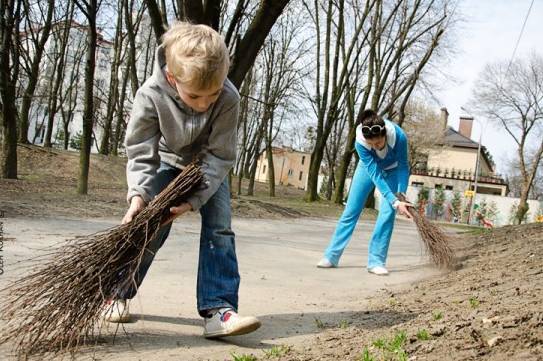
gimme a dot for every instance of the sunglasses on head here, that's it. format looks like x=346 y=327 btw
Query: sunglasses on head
x=373 y=130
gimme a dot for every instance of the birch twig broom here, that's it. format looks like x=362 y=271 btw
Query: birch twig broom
x=58 y=306
x=436 y=242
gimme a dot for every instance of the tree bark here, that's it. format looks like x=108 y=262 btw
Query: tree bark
x=252 y=41
x=120 y=114
x=90 y=9
x=8 y=161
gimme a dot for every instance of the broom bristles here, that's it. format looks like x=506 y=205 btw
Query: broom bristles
x=436 y=242
x=58 y=306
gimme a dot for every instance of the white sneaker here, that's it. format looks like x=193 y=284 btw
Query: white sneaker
x=117 y=311
x=226 y=322
x=378 y=270
x=325 y=263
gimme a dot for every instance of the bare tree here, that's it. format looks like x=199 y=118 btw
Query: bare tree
x=9 y=13
x=244 y=129
x=514 y=179
x=132 y=27
x=282 y=78
x=69 y=91
x=90 y=9
x=61 y=41
x=120 y=126
x=402 y=39
x=208 y=12
x=113 y=93
x=38 y=38
x=332 y=76
x=425 y=131
x=511 y=95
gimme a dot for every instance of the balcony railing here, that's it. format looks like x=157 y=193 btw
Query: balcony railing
x=465 y=175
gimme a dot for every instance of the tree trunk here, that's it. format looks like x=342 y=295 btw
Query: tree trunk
x=8 y=161
x=113 y=83
x=330 y=185
x=88 y=110
x=271 y=169
x=134 y=81
x=254 y=38
x=120 y=114
x=256 y=155
x=58 y=75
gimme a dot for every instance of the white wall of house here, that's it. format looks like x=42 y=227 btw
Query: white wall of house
x=503 y=205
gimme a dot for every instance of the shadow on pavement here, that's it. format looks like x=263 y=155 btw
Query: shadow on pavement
x=276 y=326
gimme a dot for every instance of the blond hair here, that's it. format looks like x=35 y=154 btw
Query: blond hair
x=196 y=55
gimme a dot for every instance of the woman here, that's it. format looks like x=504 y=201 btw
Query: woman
x=382 y=148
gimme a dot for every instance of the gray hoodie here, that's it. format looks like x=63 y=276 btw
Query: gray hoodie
x=163 y=128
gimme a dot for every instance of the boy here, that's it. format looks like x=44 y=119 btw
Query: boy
x=188 y=109
x=382 y=148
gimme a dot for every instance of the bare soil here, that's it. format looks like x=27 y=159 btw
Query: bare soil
x=489 y=309
x=48 y=181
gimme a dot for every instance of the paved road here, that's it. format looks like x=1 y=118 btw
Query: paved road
x=280 y=283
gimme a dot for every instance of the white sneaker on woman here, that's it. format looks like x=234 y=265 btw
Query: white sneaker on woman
x=378 y=270
x=325 y=263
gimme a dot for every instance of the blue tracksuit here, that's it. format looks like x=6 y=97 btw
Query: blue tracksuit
x=389 y=172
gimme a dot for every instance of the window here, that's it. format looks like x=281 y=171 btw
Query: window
x=264 y=170
x=449 y=188
x=417 y=184
x=303 y=159
x=438 y=186
x=301 y=174
x=290 y=172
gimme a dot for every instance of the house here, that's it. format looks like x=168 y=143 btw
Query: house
x=453 y=165
x=291 y=167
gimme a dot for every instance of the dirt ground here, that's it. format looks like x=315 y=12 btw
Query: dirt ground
x=48 y=180
x=489 y=309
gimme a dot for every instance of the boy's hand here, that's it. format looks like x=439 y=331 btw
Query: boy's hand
x=402 y=207
x=136 y=205
x=177 y=211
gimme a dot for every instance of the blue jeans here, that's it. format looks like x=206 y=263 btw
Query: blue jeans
x=218 y=276
x=361 y=186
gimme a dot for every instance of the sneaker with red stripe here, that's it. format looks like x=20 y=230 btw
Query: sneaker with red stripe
x=226 y=322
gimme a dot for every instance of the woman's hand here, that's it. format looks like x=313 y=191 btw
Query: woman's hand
x=136 y=205
x=402 y=207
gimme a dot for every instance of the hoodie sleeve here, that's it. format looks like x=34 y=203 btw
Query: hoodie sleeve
x=218 y=155
x=375 y=173
x=141 y=142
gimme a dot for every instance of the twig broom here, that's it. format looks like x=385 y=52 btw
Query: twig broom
x=436 y=242
x=58 y=306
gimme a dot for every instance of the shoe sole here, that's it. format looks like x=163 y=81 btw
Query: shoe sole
x=240 y=330
x=378 y=274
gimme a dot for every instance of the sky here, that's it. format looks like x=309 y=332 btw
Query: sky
x=488 y=33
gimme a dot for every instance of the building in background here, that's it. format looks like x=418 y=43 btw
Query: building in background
x=291 y=167
x=452 y=165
